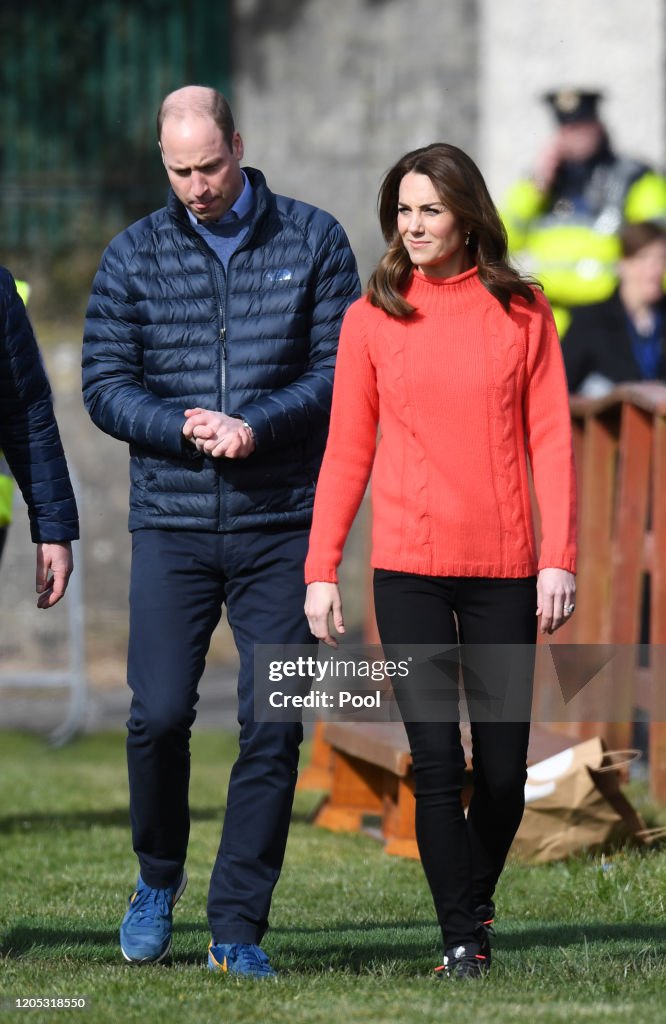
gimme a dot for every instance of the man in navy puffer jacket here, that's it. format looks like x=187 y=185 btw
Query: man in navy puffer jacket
x=209 y=347
x=30 y=441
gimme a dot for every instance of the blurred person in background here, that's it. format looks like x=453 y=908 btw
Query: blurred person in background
x=31 y=446
x=623 y=338
x=455 y=358
x=563 y=221
x=209 y=346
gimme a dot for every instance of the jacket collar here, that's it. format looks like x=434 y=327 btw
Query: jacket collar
x=264 y=203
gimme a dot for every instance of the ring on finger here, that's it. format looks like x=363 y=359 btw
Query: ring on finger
x=568 y=609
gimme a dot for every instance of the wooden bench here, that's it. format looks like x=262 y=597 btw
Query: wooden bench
x=367 y=767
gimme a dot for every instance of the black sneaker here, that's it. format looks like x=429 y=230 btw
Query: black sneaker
x=464 y=961
x=485 y=915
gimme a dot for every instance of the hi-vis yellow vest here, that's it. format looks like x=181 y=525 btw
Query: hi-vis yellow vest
x=575 y=256
x=6 y=479
x=23 y=288
x=6 y=493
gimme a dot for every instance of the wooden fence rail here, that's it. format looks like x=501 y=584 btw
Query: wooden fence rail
x=620 y=445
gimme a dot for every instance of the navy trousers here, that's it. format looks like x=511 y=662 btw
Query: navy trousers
x=179 y=582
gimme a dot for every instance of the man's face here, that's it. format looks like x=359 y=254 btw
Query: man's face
x=204 y=173
x=580 y=141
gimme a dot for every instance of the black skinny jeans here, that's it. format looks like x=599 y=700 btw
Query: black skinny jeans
x=462 y=857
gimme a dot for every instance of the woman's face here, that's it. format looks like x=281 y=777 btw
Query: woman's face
x=643 y=273
x=431 y=234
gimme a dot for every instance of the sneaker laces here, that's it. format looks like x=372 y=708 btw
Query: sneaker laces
x=251 y=958
x=148 y=904
x=470 y=963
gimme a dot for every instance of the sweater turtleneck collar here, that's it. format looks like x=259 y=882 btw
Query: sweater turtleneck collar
x=446 y=294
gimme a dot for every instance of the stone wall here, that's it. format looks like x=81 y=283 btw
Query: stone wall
x=328 y=95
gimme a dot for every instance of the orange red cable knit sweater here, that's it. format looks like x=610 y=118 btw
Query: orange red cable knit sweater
x=464 y=393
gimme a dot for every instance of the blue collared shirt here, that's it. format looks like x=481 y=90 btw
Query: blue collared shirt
x=226 y=234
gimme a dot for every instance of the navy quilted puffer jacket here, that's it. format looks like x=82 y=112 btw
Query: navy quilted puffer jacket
x=29 y=436
x=166 y=331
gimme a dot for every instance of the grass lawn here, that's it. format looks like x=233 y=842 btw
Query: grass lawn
x=352 y=934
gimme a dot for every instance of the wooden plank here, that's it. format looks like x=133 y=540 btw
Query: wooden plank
x=380 y=743
x=647 y=395
x=650 y=396
x=358 y=789
x=631 y=506
x=385 y=744
x=592 y=621
x=658 y=617
x=630 y=524
x=399 y=816
x=318 y=773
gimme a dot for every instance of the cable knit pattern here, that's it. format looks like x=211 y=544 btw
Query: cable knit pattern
x=464 y=394
x=415 y=525
x=507 y=365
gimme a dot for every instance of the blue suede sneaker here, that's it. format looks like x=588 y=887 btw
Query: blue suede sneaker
x=145 y=933
x=241 y=959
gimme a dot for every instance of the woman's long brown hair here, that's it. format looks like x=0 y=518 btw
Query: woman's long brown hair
x=461 y=188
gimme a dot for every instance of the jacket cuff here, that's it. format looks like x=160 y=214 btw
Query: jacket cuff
x=186 y=448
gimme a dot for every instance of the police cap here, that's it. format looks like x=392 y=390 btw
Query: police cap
x=571 y=105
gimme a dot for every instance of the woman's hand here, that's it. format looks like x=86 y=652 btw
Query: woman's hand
x=321 y=600
x=556 y=598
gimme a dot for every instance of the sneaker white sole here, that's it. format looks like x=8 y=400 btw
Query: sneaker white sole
x=147 y=959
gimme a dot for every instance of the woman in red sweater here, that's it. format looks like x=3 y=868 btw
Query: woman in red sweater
x=456 y=359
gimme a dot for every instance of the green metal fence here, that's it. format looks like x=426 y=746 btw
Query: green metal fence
x=80 y=83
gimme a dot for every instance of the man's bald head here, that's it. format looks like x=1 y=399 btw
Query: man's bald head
x=197 y=101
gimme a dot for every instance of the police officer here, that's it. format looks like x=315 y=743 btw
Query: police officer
x=563 y=222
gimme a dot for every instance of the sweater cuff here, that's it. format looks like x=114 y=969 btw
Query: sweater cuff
x=315 y=574
x=550 y=560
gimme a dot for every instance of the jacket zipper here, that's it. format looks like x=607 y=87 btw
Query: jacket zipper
x=222 y=327
x=221 y=318
x=222 y=337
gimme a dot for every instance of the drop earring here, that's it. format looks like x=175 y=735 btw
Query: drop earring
x=467 y=238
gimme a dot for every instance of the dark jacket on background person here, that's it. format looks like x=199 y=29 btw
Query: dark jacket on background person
x=166 y=330
x=29 y=436
x=599 y=342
